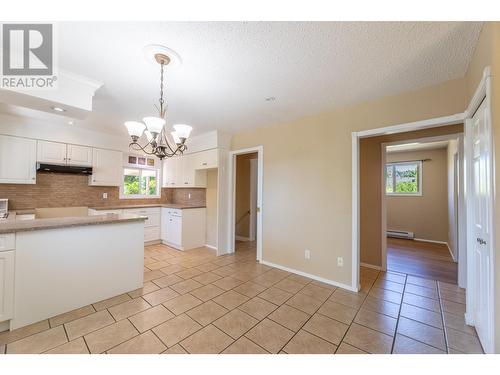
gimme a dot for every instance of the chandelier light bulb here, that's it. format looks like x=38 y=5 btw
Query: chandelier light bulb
x=183 y=131
x=134 y=128
x=154 y=124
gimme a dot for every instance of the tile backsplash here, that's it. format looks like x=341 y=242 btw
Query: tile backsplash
x=66 y=190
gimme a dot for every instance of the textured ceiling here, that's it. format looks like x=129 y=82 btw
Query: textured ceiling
x=229 y=68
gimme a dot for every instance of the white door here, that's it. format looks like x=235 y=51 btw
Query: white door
x=51 y=152
x=79 y=155
x=481 y=200
x=17 y=160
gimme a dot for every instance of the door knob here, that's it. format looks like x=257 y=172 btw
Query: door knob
x=481 y=241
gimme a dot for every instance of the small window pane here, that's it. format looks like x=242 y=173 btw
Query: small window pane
x=131 y=181
x=406 y=178
x=148 y=182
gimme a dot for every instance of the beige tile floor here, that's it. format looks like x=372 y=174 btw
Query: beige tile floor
x=195 y=302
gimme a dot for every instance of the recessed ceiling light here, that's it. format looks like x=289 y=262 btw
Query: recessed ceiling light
x=58 y=109
x=270 y=99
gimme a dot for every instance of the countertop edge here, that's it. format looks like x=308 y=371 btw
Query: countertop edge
x=66 y=222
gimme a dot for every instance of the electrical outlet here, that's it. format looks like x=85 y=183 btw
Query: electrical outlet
x=104 y=195
x=340 y=262
x=189 y=195
x=307 y=254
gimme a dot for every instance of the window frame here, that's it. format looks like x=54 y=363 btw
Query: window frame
x=140 y=196
x=419 y=178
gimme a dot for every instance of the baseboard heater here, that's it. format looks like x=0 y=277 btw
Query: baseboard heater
x=400 y=234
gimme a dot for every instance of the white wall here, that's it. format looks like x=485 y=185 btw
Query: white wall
x=41 y=129
x=452 y=196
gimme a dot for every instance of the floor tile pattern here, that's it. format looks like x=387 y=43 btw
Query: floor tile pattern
x=195 y=302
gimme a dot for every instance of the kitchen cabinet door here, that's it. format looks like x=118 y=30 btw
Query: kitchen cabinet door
x=187 y=171
x=171 y=172
x=107 y=167
x=6 y=284
x=51 y=152
x=17 y=160
x=175 y=233
x=206 y=159
x=79 y=155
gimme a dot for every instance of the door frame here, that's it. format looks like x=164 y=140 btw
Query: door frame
x=232 y=196
x=355 y=137
x=254 y=168
x=483 y=92
x=460 y=196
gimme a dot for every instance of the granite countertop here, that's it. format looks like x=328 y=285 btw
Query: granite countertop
x=168 y=205
x=12 y=226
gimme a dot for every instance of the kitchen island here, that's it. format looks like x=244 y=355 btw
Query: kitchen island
x=52 y=266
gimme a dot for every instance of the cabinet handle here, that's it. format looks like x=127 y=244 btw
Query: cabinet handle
x=185 y=183
x=204 y=164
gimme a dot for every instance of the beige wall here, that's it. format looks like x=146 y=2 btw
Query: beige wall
x=307 y=186
x=453 y=191
x=211 y=198
x=243 y=193
x=370 y=159
x=425 y=215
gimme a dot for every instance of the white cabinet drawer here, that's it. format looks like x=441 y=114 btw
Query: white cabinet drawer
x=105 y=212
x=7 y=241
x=174 y=211
x=151 y=234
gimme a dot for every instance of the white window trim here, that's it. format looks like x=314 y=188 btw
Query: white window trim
x=139 y=196
x=420 y=174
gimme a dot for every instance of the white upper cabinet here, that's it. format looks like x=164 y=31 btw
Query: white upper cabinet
x=62 y=153
x=17 y=160
x=51 y=152
x=79 y=155
x=170 y=172
x=189 y=170
x=206 y=159
x=107 y=167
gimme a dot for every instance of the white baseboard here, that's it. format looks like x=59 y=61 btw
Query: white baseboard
x=314 y=277
x=5 y=326
x=367 y=265
x=211 y=247
x=431 y=241
x=439 y=242
x=241 y=238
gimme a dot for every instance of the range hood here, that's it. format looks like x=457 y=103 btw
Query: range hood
x=57 y=168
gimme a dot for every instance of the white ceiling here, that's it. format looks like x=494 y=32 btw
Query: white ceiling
x=229 y=68
x=418 y=146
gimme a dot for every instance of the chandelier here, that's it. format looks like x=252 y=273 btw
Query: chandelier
x=154 y=126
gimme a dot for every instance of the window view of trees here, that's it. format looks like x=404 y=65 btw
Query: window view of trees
x=140 y=182
x=403 y=178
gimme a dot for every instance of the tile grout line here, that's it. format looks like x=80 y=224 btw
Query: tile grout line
x=399 y=315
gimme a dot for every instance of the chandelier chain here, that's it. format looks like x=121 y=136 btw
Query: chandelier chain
x=161 y=90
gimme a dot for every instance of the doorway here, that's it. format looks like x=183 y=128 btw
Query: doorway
x=246 y=200
x=421 y=203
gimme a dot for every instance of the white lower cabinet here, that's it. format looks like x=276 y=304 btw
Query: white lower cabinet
x=152 y=223
x=183 y=229
x=6 y=284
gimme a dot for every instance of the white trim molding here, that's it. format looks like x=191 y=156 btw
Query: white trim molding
x=372 y=266
x=314 y=277
x=232 y=196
